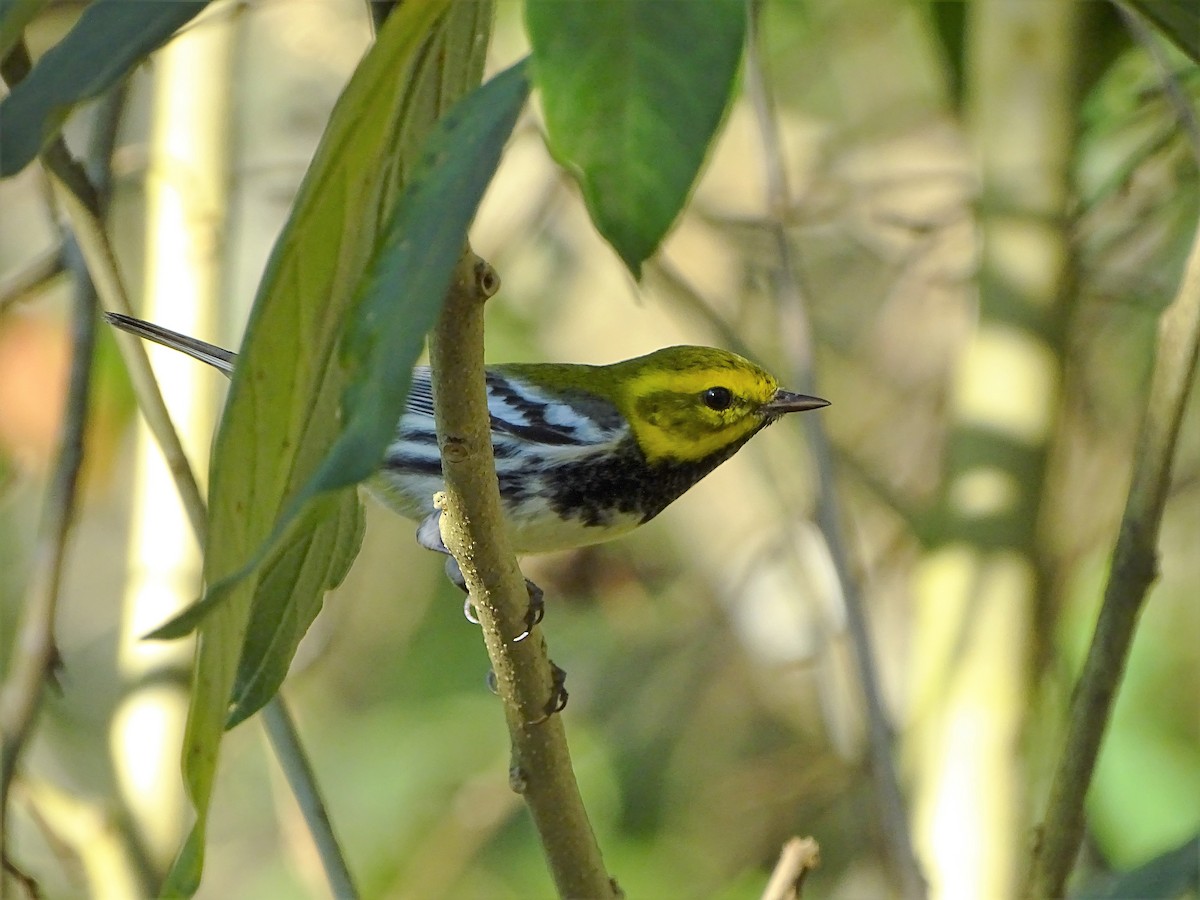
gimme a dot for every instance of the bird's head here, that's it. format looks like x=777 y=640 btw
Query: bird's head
x=684 y=404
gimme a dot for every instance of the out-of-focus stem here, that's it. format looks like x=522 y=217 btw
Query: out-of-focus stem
x=1134 y=568
x=285 y=739
x=798 y=346
x=34 y=650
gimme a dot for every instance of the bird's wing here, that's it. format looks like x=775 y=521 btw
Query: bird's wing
x=528 y=413
x=420 y=393
x=521 y=411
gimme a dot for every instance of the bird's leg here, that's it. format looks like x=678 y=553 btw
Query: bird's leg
x=429 y=536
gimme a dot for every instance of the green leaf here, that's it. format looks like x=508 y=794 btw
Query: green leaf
x=14 y=16
x=633 y=93
x=110 y=38
x=283 y=408
x=1175 y=873
x=291 y=586
x=401 y=298
x=404 y=290
x=1179 y=20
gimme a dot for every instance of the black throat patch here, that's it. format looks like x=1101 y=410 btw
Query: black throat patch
x=624 y=482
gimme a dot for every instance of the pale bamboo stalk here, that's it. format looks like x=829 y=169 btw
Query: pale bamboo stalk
x=976 y=592
x=185 y=216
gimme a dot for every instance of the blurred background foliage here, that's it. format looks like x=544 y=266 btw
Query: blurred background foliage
x=714 y=709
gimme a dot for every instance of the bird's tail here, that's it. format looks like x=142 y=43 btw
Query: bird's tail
x=215 y=356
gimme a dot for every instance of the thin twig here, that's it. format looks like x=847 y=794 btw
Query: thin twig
x=285 y=741
x=35 y=654
x=32 y=276
x=28 y=882
x=102 y=265
x=1134 y=569
x=473 y=530
x=106 y=863
x=798 y=857
x=798 y=347
x=81 y=203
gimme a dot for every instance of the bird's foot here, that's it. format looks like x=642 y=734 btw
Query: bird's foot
x=558 y=692
x=429 y=537
x=533 y=615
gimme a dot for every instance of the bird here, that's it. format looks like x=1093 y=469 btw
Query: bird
x=583 y=453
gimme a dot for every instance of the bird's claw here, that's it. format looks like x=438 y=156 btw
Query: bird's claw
x=533 y=615
x=469 y=611
x=536 y=611
x=558 y=692
x=559 y=696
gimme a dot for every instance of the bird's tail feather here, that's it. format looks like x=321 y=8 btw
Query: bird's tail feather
x=215 y=356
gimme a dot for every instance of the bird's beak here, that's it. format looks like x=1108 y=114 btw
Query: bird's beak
x=787 y=402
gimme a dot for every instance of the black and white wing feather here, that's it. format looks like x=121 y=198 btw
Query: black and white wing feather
x=532 y=429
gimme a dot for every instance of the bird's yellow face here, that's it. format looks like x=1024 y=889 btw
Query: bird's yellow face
x=686 y=403
x=682 y=404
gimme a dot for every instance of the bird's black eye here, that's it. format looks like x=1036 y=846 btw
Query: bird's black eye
x=718 y=398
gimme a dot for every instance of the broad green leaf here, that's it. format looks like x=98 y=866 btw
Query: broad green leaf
x=14 y=16
x=110 y=38
x=633 y=93
x=291 y=587
x=283 y=408
x=401 y=298
x=1179 y=20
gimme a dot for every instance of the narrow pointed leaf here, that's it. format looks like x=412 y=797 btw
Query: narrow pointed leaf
x=291 y=589
x=110 y=38
x=401 y=297
x=633 y=93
